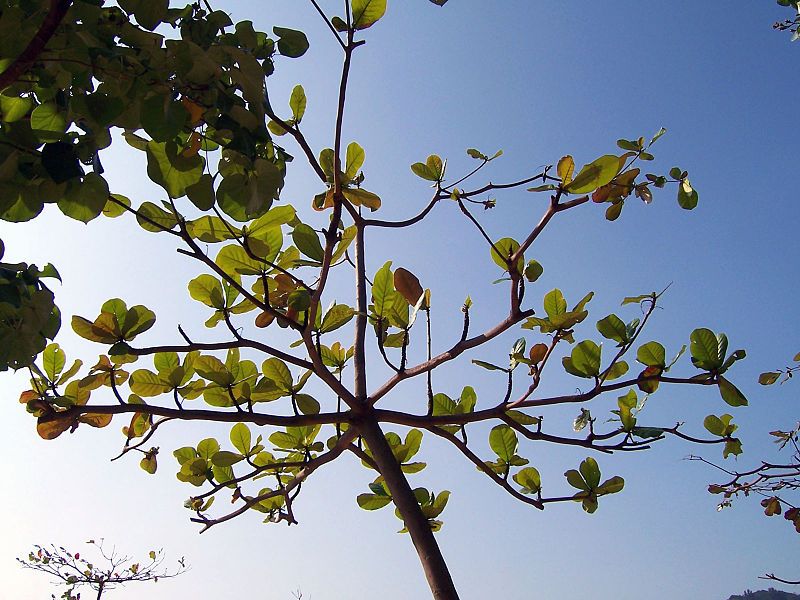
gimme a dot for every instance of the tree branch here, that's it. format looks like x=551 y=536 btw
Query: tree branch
x=55 y=15
x=450 y=354
x=484 y=468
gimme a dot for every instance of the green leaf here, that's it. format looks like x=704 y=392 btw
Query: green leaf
x=704 y=347
x=732 y=446
x=308 y=405
x=730 y=393
x=611 y=486
x=208 y=290
x=297 y=102
x=291 y=43
x=366 y=12
x=149 y=463
x=276 y=370
x=165 y=361
x=210 y=229
x=617 y=370
x=629 y=145
x=503 y=441
x=115 y=206
x=154 y=218
x=162 y=117
x=422 y=170
x=48 y=122
x=148 y=384
x=506 y=247
x=647 y=432
x=543 y=188
x=241 y=438
x=575 y=480
x=714 y=425
x=224 y=458
x=85 y=199
x=383 y=291
x=234 y=259
x=171 y=170
x=337 y=316
x=361 y=197
x=613 y=328
x=211 y=368
x=436 y=166
x=372 y=501
x=554 y=303
x=652 y=354
x=207 y=448
x=13 y=108
x=275 y=216
x=768 y=378
x=202 y=193
x=307 y=241
x=150 y=13
x=53 y=360
x=637 y=299
x=590 y=472
x=594 y=175
x=354 y=160
x=522 y=418
x=487 y=366
x=658 y=134
x=586 y=357
x=533 y=270
x=529 y=479
x=687 y=195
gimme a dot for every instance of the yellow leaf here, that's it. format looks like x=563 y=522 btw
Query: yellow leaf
x=323 y=201
x=565 y=169
x=95 y=419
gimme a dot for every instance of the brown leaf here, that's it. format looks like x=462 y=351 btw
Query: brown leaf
x=601 y=194
x=27 y=396
x=264 y=319
x=537 y=353
x=323 y=201
x=51 y=426
x=649 y=386
x=408 y=285
x=195 y=111
x=772 y=506
x=192 y=145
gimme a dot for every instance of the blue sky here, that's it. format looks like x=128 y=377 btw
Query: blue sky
x=539 y=80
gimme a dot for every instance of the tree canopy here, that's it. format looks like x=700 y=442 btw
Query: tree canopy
x=190 y=90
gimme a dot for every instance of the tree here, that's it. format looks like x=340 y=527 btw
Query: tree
x=28 y=314
x=101 y=574
x=203 y=95
x=792 y=25
x=777 y=483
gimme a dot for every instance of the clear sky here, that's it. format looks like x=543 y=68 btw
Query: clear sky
x=539 y=80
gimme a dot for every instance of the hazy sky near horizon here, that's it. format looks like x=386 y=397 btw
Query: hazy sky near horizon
x=539 y=80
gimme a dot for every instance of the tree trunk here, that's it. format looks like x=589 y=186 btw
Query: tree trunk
x=433 y=563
